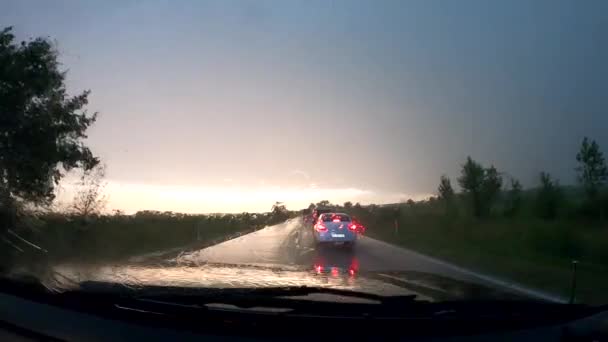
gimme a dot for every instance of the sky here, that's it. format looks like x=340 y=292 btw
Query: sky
x=229 y=106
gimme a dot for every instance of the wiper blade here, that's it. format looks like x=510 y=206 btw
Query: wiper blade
x=298 y=291
x=275 y=296
x=284 y=296
x=210 y=293
x=291 y=298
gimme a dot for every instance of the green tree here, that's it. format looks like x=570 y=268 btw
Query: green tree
x=549 y=196
x=279 y=212
x=42 y=128
x=490 y=189
x=446 y=192
x=471 y=182
x=310 y=209
x=514 y=198
x=592 y=171
x=323 y=203
x=348 y=205
x=481 y=185
x=90 y=199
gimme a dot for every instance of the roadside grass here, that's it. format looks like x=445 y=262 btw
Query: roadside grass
x=119 y=237
x=531 y=252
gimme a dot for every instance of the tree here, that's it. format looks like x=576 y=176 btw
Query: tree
x=323 y=203
x=490 y=188
x=514 y=198
x=89 y=199
x=592 y=170
x=279 y=212
x=548 y=197
x=446 y=193
x=481 y=185
x=471 y=182
x=278 y=207
x=41 y=127
x=348 y=205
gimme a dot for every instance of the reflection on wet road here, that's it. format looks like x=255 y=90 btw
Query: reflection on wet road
x=281 y=244
x=285 y=255
x=291 y=244
x=267 y=253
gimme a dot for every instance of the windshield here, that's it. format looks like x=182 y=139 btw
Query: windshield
x=178 y=144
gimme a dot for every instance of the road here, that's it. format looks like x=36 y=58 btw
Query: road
x=288 y=246
x=291 y=244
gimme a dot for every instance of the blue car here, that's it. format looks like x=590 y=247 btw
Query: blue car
x=335 y=229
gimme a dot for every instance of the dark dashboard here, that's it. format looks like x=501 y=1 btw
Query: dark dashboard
x=29 y=314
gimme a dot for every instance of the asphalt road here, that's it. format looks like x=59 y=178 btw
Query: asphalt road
x=291 y=244
x=260 y=259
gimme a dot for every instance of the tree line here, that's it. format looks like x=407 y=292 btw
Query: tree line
x=482 y=187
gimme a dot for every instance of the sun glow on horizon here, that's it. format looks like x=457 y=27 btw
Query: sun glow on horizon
x=130 y=198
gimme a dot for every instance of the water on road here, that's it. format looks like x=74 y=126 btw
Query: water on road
x=285 y=255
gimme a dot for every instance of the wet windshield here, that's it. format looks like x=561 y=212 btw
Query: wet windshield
x=446 y=150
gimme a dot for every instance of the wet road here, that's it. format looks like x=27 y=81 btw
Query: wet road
x=285 y=255
x=291 y=244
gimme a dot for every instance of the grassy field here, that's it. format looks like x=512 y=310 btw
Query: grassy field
x=529 y=251
x=119 y=237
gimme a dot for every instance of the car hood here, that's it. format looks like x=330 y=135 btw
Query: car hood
x=426 y=286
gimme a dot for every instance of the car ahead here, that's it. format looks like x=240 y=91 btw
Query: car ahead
x=318 y=212
x=335 y=229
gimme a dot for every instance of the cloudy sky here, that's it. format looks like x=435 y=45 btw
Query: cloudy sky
x=210 y=106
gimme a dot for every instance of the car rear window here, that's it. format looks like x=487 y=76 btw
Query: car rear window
x=331 y=217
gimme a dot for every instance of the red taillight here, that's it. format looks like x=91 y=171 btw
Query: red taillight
x=319 y=268
x=336 y=220
x=352 y=226
x=320 y=227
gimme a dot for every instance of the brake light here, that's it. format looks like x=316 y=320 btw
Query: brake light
x=336 y=220
x=352 y=226
x=320 y=227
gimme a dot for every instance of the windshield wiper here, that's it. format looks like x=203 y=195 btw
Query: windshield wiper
x=227 y=293
x=294 y=301
x=301 y=291
x=154 y=298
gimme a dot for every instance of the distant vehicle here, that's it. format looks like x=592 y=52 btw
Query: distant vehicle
x=335 y=229
x=318 y=211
